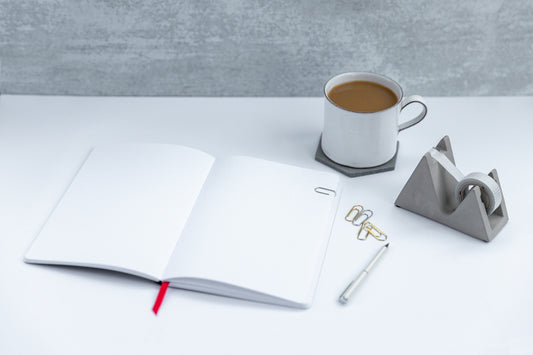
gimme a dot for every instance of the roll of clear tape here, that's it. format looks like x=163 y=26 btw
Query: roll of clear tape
x=491 y=194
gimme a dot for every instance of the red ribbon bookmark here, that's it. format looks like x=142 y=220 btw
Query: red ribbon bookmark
x=160 y=296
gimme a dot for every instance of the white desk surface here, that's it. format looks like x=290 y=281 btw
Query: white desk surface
x=437 y=291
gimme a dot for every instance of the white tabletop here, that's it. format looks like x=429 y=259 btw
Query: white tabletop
x=435 y=291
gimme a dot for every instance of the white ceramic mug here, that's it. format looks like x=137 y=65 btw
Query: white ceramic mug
x=364 y=139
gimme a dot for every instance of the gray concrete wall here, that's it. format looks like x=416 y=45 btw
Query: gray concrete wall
x=263 y=47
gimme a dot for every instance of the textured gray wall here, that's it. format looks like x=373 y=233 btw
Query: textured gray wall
x=263 y=47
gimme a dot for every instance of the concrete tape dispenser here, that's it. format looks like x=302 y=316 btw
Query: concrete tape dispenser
x=472 y=204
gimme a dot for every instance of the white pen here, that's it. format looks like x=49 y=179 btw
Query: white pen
x=353 y=285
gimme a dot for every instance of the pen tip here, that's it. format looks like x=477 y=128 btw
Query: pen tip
x=387 y=245
x=342 y=300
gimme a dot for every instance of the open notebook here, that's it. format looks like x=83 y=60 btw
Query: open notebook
x=238 y=226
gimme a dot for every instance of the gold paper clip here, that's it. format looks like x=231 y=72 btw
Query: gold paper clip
x=372 y=230
x=355 y=211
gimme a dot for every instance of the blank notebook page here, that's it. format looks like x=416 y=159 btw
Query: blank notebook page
x=258 y=225
x=125 y=209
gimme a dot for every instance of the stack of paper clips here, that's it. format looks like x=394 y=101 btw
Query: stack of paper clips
x=359 y=217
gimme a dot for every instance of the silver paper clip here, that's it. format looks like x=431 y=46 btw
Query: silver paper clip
x=325 y=191
x=366 y=213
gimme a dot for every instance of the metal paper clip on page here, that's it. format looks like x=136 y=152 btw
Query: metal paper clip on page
x=325 y=191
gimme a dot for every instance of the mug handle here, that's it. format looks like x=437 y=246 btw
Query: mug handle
x=406 y=102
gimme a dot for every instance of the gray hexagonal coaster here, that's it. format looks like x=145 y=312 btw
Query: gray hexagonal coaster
x=354 y=172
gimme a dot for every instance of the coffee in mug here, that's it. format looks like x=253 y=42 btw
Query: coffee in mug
x=361 y=114
x=362 y=96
